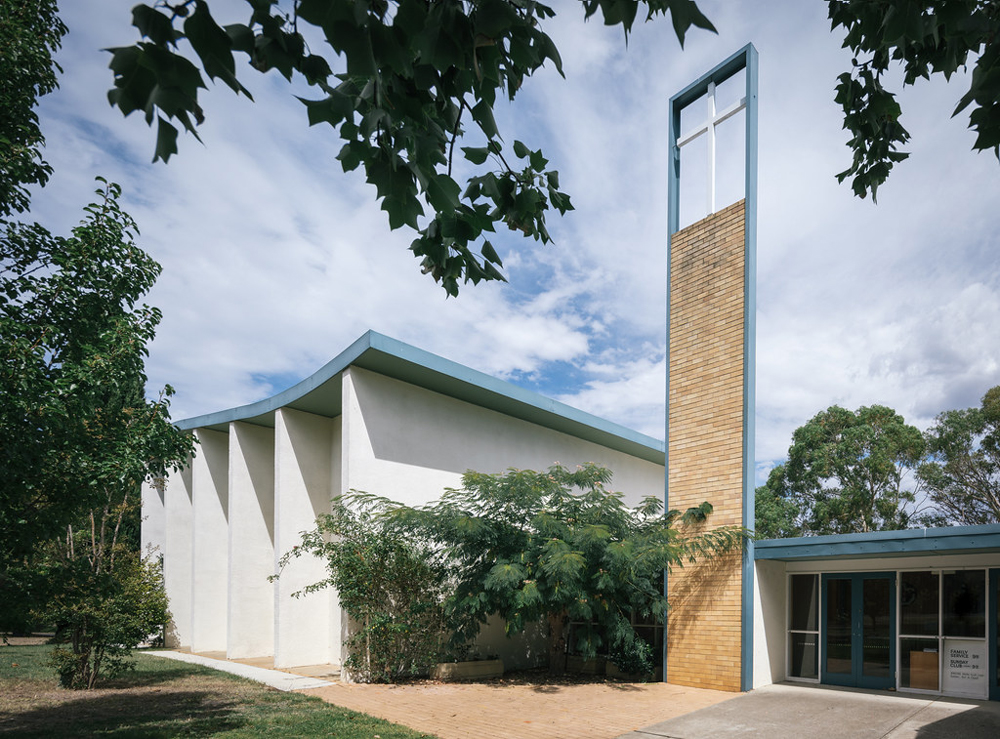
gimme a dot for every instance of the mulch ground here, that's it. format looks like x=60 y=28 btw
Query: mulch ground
x=527 y=705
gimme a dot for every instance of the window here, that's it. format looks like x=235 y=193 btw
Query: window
x=964 y=603
x=803 y=627
x=918 y=603
x=919 y=616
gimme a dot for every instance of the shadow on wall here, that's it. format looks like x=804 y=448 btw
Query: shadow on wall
x=170 y=636
x=697 y=589
x=704 y=624
x=518 y=652
x=414 y=426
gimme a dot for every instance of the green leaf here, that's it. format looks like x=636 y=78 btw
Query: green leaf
x=482 y=114
x=493 y=17
x=333 y=109
x=153 y=24
x=134 y=80
x=356 y=45
x=241 y=37
x=490 y=253
x=166 y=141
x=520 y=150
x=352 y=154
x=476 y=155
x=493 y=273
x=443 y=192
x=684 y=14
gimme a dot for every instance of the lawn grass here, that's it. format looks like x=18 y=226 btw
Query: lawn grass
x=165 y=698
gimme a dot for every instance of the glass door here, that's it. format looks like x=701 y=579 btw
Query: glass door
x=859 y=616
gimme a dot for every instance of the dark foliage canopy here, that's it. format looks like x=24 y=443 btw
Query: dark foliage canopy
x=405 y=82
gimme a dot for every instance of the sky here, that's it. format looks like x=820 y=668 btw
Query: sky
x=274 y=260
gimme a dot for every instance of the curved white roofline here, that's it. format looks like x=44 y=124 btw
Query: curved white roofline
x=320 y=394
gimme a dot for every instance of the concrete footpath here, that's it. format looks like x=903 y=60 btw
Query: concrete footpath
x=821 y=712
x=276 y=679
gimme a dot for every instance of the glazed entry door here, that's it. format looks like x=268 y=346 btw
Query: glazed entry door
x=859 y=640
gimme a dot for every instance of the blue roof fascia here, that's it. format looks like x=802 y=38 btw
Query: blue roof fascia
x=402 y=361
x=944 y=540
x=262 y=407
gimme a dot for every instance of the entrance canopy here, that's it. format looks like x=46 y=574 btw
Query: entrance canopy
x=908 y=542
x=913 y=610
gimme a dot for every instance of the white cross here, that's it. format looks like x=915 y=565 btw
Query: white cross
x=708 y=127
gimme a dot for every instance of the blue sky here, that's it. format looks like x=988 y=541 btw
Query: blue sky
x=274 y=260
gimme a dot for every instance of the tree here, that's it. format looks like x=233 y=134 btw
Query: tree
x=963 y=472
x=404 y=81
x=77 y=435
x=78 y=438
x=847 y=472
x=30 y=33
x=74 y=422
x=924 y=38
x=72 y=337
x=554 y=547
x=777 y=511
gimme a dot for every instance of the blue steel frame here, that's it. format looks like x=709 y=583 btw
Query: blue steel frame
x=745 y=58
x=993 y=638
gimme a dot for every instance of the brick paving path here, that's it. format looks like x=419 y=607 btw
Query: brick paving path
x=522 y=711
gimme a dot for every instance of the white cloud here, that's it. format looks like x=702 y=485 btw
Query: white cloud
x=274 y=260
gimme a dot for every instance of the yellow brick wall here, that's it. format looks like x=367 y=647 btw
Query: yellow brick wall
x=706 y=441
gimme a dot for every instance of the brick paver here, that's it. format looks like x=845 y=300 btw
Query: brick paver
x=522 y=711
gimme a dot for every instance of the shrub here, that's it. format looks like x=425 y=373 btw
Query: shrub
x=392 y=591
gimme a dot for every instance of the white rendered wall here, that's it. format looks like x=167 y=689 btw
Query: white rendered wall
x=408 y=443
x=210 y=502
x=307 y=474
x=769 y=635
x=250 y=630
x=177 y=556
x=153 y=534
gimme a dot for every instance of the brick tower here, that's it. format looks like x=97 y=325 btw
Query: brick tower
x=710 y=390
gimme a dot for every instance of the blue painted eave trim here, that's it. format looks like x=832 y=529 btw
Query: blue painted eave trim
x=407 y=363
x=286 y=397
x=955 y=539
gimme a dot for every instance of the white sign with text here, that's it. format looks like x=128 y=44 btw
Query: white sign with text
x=965 y=667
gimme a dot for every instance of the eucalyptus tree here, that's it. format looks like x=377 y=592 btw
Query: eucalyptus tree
x=962 y=473
x=850 y=472
x=778 y=512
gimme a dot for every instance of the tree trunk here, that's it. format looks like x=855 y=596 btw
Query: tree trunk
x=557 y=643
